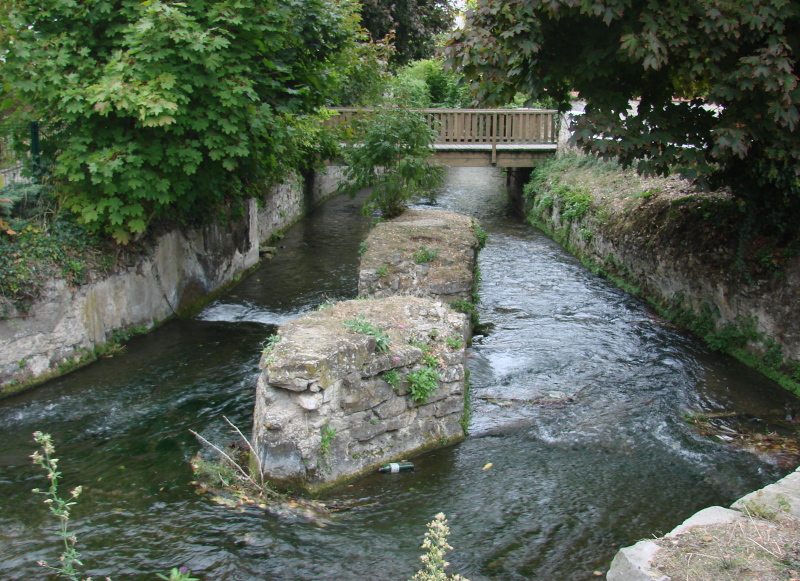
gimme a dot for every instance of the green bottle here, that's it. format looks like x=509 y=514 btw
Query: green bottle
x=397 y=467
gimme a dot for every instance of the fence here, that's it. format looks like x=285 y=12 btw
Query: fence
x=480 y=126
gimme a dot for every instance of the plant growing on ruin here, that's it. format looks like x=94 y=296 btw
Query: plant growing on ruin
x=455 y=343
x=423 y=383
x=436 y=547
x=467 y=308
x=327 y=434
x=480 y=234
x=391 y=151
x=382 y=271
x=392 y=378
x=424 y=255
x=361 y=325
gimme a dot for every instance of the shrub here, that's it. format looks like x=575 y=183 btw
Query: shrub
x=391 y=152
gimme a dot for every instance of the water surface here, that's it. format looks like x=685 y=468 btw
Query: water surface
x=578 y=393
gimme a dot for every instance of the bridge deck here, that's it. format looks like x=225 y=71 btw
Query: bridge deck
x=484 y=137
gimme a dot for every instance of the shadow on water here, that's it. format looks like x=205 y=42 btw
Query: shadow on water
x=577 y=394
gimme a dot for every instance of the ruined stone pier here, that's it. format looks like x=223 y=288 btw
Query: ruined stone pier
x=361 y=383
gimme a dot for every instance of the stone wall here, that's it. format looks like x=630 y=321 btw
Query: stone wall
x=330 y=404
x=396 y=259
x=326 y=410
x=184 y=270
x=781 y=500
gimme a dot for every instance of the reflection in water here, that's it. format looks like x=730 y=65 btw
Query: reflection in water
x=578 y=391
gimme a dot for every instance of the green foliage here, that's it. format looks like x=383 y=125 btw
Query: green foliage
x=741 y=58
x=327 y=434
x=480 y=234
x=269 y=344
x=217 y=474
x=424 y=255
x=455 y=343
x=382 y=270
x=361 y=325
x=414 y=23
x=65 y=249
x=426 y=83
x=59 y=507
x=363 y=246
x=173 y=109
x=392 y=378
x=391 y=152
x=178 y=574
x=467 y=308
x=732 y=335
x=423 y=383
x=576 y=201
x=436 y=547
x=362 y=73
x=430 y=360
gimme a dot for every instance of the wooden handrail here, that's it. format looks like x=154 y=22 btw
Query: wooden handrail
x=480 y=126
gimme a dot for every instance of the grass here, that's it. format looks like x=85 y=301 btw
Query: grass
x=361 y=325
x=392 y=378
x=425 y=255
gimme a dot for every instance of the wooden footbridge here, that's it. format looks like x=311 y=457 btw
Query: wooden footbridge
x=486 y=137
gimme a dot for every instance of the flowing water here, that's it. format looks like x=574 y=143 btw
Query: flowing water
x=578 y=395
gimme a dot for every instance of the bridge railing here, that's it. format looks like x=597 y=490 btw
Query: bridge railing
x=481 y=126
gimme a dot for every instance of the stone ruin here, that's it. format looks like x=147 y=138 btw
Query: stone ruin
x=342 y=389
x=394 y=262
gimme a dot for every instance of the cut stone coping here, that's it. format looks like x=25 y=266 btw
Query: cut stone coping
x=388 y=266
x=634 y=563
x=326 y=412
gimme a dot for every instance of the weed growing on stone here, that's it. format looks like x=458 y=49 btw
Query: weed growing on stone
x=425 y=255
x=467 y=415
x=467 y=308
x=419 y=345
x=436 y=547
x=361 y=325
x=392 y=378
x=480 y=235
x=362 y=247
x=382 y=271
x=430 y=360
x=423 y=383
x=269 y=346
x=327 y=434
x=455 y=343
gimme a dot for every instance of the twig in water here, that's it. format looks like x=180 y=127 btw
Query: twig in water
x=252 y=450
x=228 y=458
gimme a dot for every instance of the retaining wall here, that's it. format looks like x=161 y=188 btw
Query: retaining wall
x=183 y=271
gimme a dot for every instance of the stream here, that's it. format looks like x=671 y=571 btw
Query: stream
x=578 y=396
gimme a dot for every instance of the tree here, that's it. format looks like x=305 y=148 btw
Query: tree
x=734 y=63
x=390 y=152
x=416 y=25
x=170 y=109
